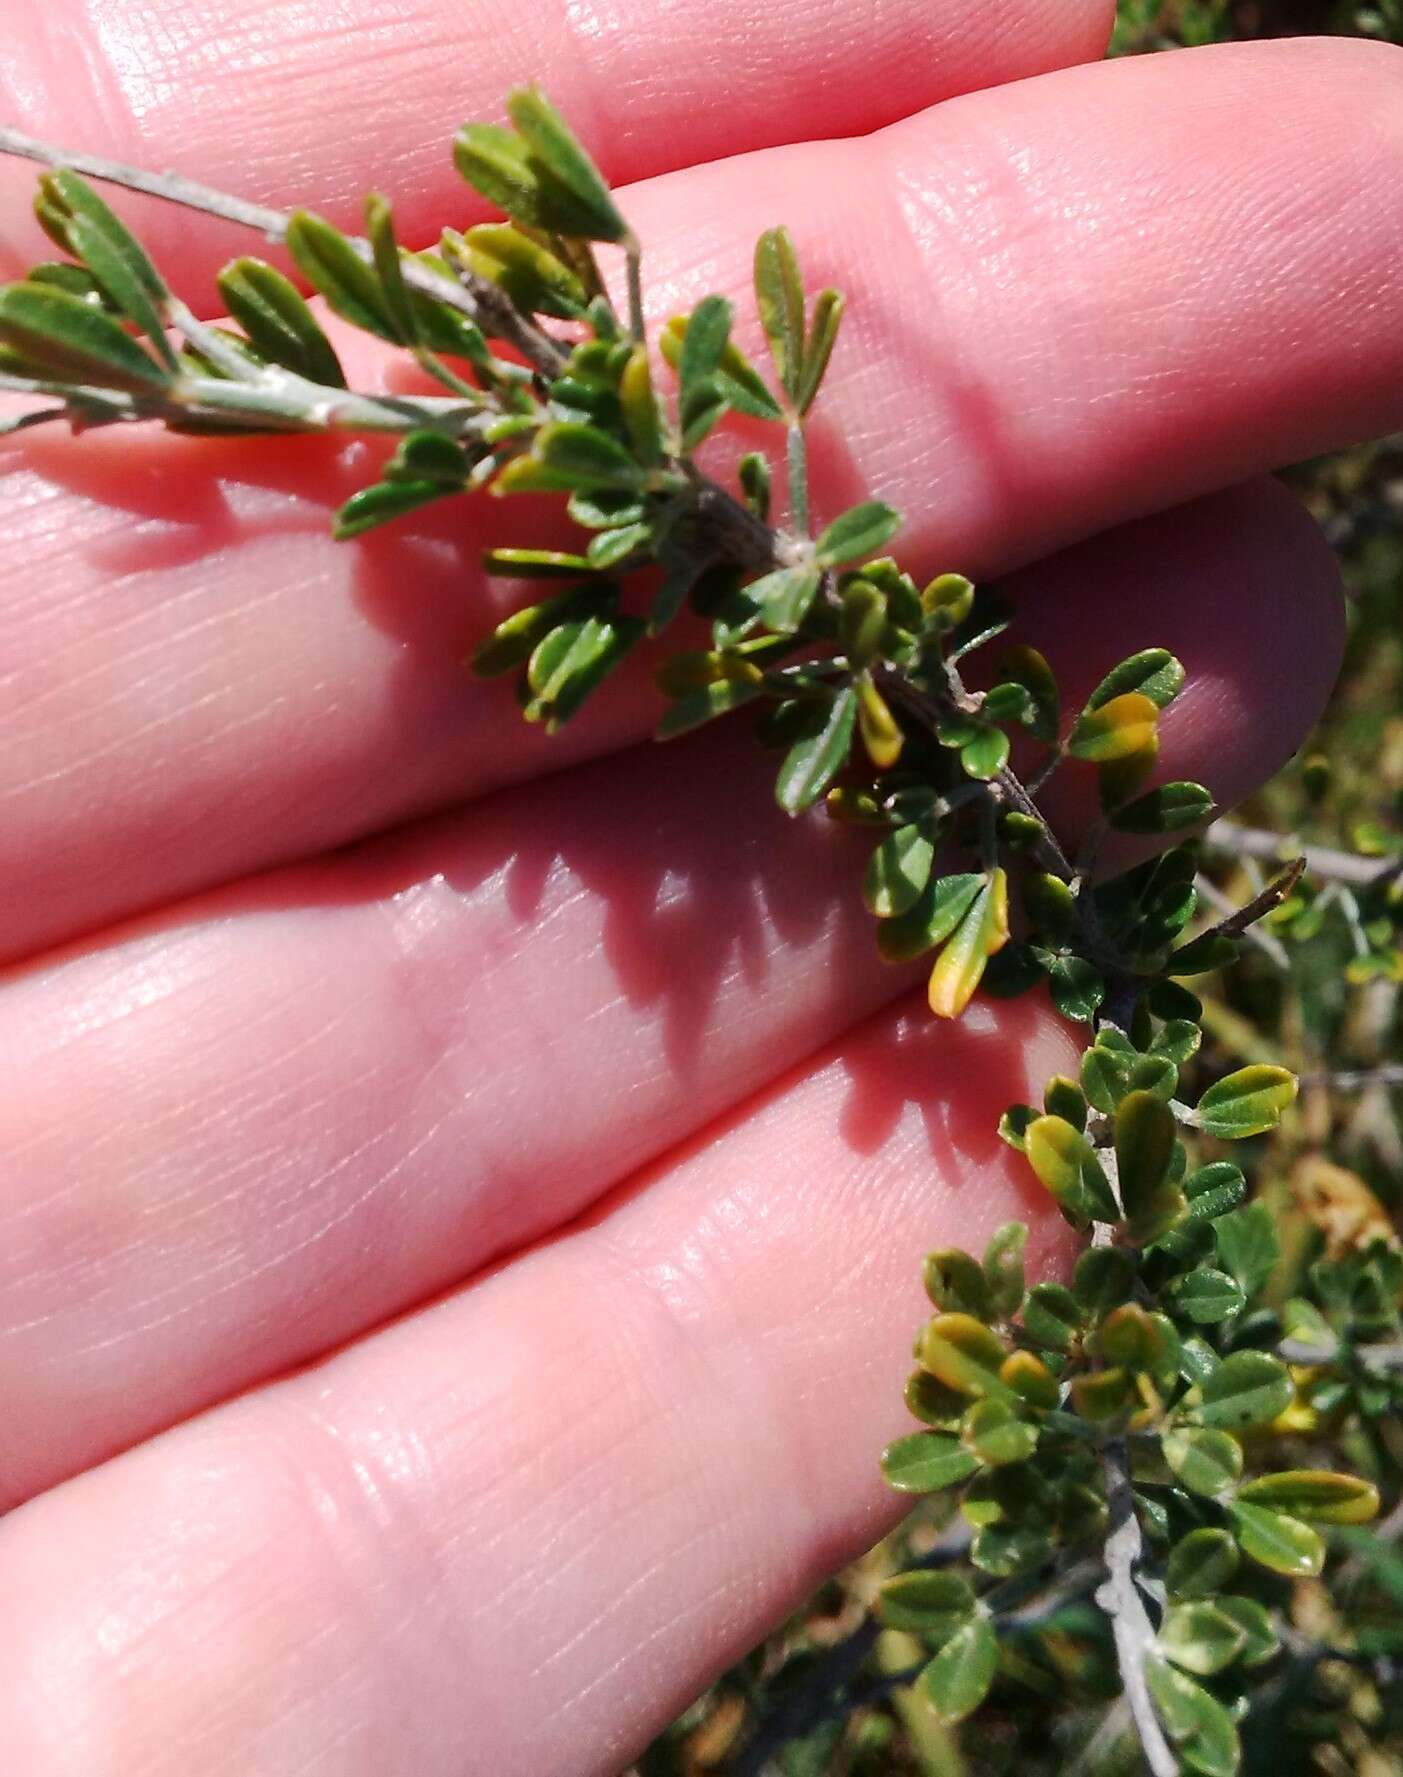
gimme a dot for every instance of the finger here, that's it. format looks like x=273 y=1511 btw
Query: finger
x=277 y=1117
x=516 y=1533
x=179 y=644
x=287 y=112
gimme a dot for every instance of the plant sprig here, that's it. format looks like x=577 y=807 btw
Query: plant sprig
x=1110 y=1440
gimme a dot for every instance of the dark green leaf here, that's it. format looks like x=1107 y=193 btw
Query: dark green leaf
x=562 y=156
x=1154 y=672
x=779 y=295
x=1077 y=986
x=585 y=458
x=697 y=707
x=1206 y=1460
x=708 y=330
x=815 y=760
x=1201 y=1564
x=78 y=218
x=58 y=334
x=785 y=596
x=898 y=872
x=278 y=321
x=1277 y=1541
x=1247 y=1244
x=1168 y=809
x=1198 y=1724
x=1199 y=1638
x=1215 y=1189
x=332 y=267
x=1207 y=1296
x=818 y=347
x=1052 y=1315
x=1103 y=1278
x=1248 y=1388
x=383 y=501
x=926 y=1462
x=931 y=920
x=957 y=1680
x=1027 y=667
x=932 y=1603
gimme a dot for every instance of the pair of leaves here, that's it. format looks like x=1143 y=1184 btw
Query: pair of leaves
x=539 y=173
x=800 y=346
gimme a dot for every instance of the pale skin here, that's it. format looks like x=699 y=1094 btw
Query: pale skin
x=453 y=1291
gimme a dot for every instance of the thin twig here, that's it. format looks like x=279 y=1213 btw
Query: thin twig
x=1120 y=1598
x=1227 y=839
x=1269 y=946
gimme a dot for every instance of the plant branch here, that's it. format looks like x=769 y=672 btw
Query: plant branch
x=1226 y=839
x=1120 y=1598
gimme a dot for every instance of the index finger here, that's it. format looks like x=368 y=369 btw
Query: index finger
x=271 y=102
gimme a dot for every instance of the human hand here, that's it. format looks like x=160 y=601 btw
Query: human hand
x=580 y=1063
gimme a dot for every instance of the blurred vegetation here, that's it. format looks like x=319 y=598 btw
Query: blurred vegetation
x=1334 y=1173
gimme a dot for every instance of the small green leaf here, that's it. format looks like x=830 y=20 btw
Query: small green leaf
x=948 y=599
x=932 y=1604
x=958 y=1679
x=1169 y=809
x=1248 y=1245
x=785 y=596
x=498 y=163
x=1115 y=730
x=779 y=294
x=640 y=407
x=956 y=1283
x=704 y=705
x=1003 y=1267
x=77 y=217
x=932 y=1402
x=1030 y=1379
x=1154 y=673
x=558 y=153
x=426 y=455
x=1027 y=667
x=1199 y=1638
x=382 y=502
x=818 y=347
x=534 y=564
x=1201 y=1564
x=985 y=756
x=1050 y=905
x=708 y=329
x=578 y=456
x=926 y=1462
x=1052 y=1316
x=336 y=271
x=1105 y=1076
x=278 y=322
x=1316 y=1494
x=1015 y=1123
x=1214 y=950
x=1261 y=1640
x=1066 y=1164
x=1064 y=1098
x=1207 y=1296
x=1103 y=1278
x=608 y=548
x=980 y=934
x=1198 y=1724
x=964 y=1354
x=1077 y=986
x=860 y=531
x=940 y=909
x=898 y=872
x=1248 y=1388
x=1277 y=1541
x=1248 y=1102
x=815 y=760
x=528 y=273
x=1178 y=1041
x=1206 y=1460
x=58 y=334
x=572 y=661
x=998 y=1434
x=1214 y=1189
x=389 y=267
